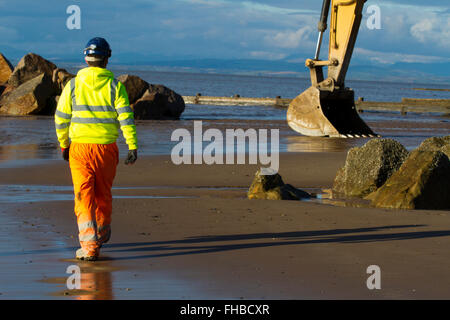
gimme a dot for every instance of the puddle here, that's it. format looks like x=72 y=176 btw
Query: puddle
x=40 y=193
x=326 y=196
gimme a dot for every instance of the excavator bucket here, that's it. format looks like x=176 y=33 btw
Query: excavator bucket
x=327 y=108
x=318 y=112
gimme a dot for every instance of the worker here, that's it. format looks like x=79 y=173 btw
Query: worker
x=90 y=110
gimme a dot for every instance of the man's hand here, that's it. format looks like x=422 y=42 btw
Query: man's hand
x=65 y=153
x=132 y=157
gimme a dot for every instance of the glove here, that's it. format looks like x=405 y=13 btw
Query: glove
x=132 y=157
x=65 y=153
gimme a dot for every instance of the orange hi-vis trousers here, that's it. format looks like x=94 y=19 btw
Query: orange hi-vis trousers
x=93 y=168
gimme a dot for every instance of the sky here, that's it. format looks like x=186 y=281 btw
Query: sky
x=412 y=31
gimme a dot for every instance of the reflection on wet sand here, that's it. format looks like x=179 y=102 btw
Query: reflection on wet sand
x=18 y=153
x=96 y=281
x=327 y=196
x=320 y=144
x=97 y=285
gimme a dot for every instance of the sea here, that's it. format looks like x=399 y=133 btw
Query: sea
x=32 y=139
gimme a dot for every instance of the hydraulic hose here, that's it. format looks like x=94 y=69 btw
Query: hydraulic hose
x=322 y=26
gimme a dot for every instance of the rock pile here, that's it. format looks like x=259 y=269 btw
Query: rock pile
x=35 y=84
x=383 y=172
x=33 y=87
x=272 y=187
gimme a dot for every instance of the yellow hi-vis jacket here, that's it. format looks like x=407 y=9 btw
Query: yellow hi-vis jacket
x=91 y=108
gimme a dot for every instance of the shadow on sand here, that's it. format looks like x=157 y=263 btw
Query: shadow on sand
x=176 y=247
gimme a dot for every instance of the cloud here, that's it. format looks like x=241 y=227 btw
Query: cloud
x=433 y=30
x=266 y=55
x=421 y=29
x=224 y=29
x=395 y=57
x=290 y=38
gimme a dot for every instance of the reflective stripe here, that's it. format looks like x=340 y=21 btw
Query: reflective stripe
x=93 y=108
x=63 y=115
x=114 y=84
x=62 y=125
x=127 y=122
x=72 y=91
x=87 y=225
x=94 y=120
x=124 y=109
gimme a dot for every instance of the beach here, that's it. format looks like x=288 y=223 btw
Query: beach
x=188 y=232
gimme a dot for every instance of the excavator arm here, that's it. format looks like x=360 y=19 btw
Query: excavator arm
x=327 y=108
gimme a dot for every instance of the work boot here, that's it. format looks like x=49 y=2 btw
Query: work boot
x=81 y=254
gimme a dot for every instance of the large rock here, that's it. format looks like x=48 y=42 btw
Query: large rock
x=368 y=167
x=436 y=144
x=422 y=182
x=151 y=101
x=159 y=102
x=135 y=86
x=272 y=187
x=29 y=67
x=5 y=88
x=60 y=77
x=6 y=69
x=30 y=97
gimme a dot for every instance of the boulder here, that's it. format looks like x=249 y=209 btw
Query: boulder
x=6 y=69
x=422 y=182
x=30 y=97
x=159 y=102
x=436 y=144
x=151 y=101
x=368 y=167
x=150 y=106
x=29 y=67
x=5 y=89
x=60 y=77
x=272 y=187
x=135 y=86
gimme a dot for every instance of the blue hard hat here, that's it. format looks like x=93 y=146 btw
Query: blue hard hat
x=97 y=46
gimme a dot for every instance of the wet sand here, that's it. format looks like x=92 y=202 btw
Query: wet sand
x=188 y=232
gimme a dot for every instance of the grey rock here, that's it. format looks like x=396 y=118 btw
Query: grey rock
x=368 y=167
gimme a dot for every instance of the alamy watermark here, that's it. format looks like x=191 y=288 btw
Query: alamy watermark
x=221 y=148
x=74 y=20
x=74 y=280
x=374 y=281
x=374 y=19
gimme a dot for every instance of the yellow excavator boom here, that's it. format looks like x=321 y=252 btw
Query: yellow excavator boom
x=327 y=108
